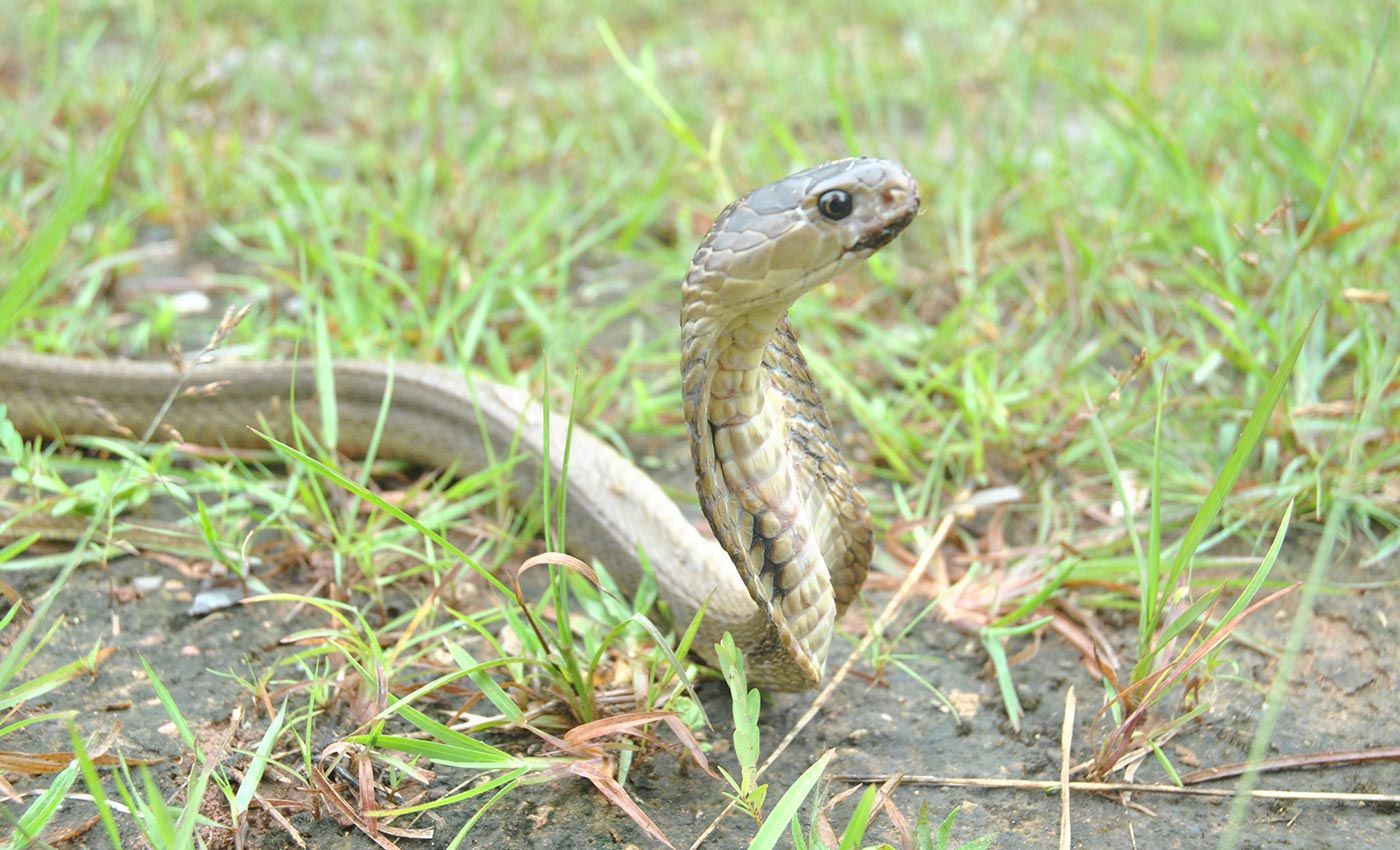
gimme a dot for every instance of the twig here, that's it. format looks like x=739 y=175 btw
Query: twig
x=876 y=630
x=1066 y=735
x=1191 y=791
x=1226 y=771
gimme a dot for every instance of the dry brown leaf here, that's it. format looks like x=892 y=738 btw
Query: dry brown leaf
x=41 y=764
x=622 y=724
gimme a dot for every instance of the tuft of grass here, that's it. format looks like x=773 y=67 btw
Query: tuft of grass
x=942 y=839
x=1167 y=611
x=873 y=801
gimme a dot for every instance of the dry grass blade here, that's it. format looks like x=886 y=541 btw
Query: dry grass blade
x=1066 y=736
x=825 y=830
x=41 y=764
x=71 y=836
x=274 y=812
x=546 y=559
x=1042 y=786
x=577 y=738
x=1303 y=760
x=332 y=796
x=593 y=759
x=364 y=785
x=558 y=559
x=618 y=796
x=897 y=818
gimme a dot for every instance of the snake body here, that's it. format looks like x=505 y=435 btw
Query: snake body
x=794 y=537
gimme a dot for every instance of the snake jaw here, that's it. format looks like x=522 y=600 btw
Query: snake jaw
x=878 y=237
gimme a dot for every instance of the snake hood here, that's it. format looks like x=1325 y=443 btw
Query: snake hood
x=782 y=240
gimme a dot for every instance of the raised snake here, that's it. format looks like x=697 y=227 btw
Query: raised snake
x=770 y=476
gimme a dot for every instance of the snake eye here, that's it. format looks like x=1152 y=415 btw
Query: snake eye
x=835 y=204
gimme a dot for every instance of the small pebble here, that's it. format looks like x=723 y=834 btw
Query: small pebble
x=190 y=303
x=147 y=584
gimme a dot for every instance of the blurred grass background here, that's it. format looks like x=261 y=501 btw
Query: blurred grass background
x=484 y=182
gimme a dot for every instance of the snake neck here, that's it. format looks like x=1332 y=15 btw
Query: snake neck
x=739 y=382
x=752 y=484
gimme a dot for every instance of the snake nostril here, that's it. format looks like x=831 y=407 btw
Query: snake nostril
x=894 y=197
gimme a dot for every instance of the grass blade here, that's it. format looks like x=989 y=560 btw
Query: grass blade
x=776 y=824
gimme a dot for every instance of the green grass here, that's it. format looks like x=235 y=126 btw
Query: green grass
x=521 y=188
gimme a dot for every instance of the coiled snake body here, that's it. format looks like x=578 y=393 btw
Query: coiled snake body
x=770 y=477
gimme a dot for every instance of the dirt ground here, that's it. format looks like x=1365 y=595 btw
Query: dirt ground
x=1342 y=697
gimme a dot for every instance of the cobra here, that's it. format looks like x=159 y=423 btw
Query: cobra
x=792 y=534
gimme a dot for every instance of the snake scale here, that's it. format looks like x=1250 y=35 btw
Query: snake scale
x=793 y=532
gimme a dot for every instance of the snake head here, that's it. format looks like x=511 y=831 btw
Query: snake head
x=864 y=203
x=789 y=237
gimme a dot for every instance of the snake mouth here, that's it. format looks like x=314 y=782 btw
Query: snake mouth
x=874 y=240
